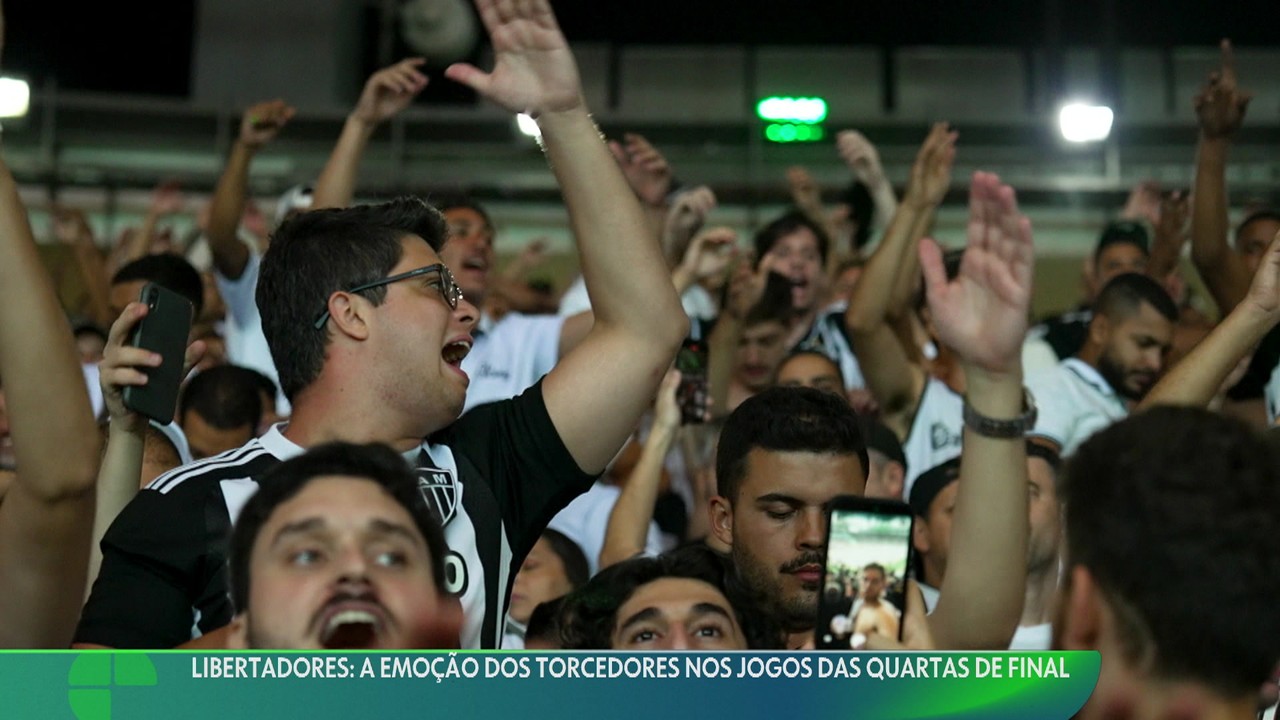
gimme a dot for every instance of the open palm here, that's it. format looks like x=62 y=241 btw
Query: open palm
x=982 y=314
x=534 y=72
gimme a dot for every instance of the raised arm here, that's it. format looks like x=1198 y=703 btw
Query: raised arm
x=598 y=391
x=260 y=125
x=47 y=514
x=628 y=528
x=685 y=218
x=1199 y=376
x=982 y=315
x=649 y=175
x=386 y=93
x=893 y=379
x=1170 y=235
x=930 y=180
x=1220 y=109
x=862 y=158
x=71 y=227
x=165 y=200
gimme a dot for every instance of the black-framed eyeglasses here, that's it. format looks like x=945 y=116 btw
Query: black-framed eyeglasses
x=449 y=289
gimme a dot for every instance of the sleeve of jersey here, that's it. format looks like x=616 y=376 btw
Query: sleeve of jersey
x=149 y=557
x=1054 y=419
x=238 y=294
x=520 y=455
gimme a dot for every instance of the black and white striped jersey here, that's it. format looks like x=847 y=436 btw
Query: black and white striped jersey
x=495 y=478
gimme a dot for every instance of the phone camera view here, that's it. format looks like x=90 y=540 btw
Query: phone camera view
x=692 y=393
x=867 y=565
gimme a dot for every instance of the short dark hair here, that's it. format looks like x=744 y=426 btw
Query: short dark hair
x=1257 y=216
x=1157 y=503
x=876 y=566
x=544 y=622
x=1123 y=232
x=169 y=271
x=320 y=252
x=590 y=614
x=1125 y=294
x=862 y=211
x=376 y=463
x=785 y=419
x=770 y=234
x=445 y=203
x=226 y=396
x=576 y=569
x=813 y=351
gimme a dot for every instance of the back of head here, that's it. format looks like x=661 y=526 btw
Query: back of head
x=170 y=272
x=1174 y=514
x=770 y=234
x=785 y=419
x=589 y=614
x=1127 y=293
x=318 y=253
x=376 y=463
x=226 y=397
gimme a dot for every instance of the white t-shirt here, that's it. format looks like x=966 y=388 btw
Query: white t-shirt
x=586 y=519
x=510 y=355
x=936 y=431
x=1271 y=394
x=828 y=336
x=246 y=344
x=1032 y=637
x=697 y=302
x=1074 y=402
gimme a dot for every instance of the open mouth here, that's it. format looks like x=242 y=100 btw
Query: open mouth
x=455 y=351
x=475 y=263
x=350 y=629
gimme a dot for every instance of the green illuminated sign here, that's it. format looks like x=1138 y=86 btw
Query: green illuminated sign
x=793 y=132
x=792 y=109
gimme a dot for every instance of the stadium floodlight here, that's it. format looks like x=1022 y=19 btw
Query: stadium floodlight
x=807 y=110
x=528 y=125
x=15 y=97
x=793 y=132
x=1082 y=123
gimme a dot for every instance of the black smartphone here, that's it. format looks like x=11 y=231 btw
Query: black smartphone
x=692 y=393
x=869 y=556
x=164 y=330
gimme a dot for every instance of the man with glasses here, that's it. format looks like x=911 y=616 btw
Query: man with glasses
x=368 y=331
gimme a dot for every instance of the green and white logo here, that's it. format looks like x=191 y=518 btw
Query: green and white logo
x=93 y=676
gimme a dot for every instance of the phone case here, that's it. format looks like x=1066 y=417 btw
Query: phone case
x=163 y=330
x=692 y=394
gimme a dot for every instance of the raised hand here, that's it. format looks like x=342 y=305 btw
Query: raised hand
x=860 y=155
x=1221 y=104
x=1175 y=208
x=534 y=72
x=805 y=192
x=982 y=314
x=931 y=172
x=646 y=170
x=121 y=366
x=70 y=226
x=167 y=199
x=666 y=410
x=710 y=253
x=1264 y=291
x=389 y=91
x=262 y=122
x=687 y=215
x=1144 y=202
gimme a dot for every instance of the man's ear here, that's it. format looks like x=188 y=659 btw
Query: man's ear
x=722 y=520
x=348 y=315
x=1100 y=330
x=920 y=535
x=238 y=632
x=1081 y=614
x=894 y=479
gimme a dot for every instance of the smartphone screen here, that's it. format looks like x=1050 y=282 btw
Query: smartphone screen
x=864 y=581
x=692 y=393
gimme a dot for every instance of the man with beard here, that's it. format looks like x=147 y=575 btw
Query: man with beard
x=874 y=613
x=786 y=453
x=1129 y=336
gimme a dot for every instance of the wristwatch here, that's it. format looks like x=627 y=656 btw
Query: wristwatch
x=1004 y=429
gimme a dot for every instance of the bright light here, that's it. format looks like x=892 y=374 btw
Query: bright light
x=15 y=97
x=1081 y=123
x=528 y=125
x=792 y=109
x=792 y=132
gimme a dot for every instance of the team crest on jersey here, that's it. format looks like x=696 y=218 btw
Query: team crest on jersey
x=440 y=491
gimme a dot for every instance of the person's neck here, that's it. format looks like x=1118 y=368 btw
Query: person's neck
x=1159 y=699
x=871 y=603
x=323 y=415
x=1042 y=587
x=1090 y=354
x=801 y=324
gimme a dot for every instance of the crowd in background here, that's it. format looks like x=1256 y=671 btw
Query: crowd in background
x=385 y=440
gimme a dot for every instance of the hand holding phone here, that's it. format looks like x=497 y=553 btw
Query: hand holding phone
x=869 y=554
x=156 y=348
x=692 y=394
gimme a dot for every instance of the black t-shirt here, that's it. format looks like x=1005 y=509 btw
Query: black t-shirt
x=495 y=477
x=1264 y=361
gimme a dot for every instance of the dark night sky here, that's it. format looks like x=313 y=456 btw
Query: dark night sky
x=148 y=47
